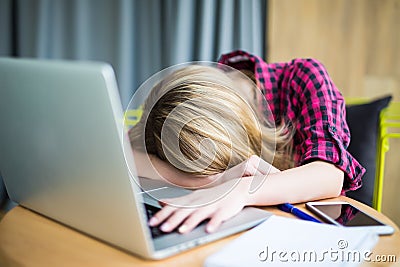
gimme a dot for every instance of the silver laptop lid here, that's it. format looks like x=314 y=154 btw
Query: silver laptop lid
x=61 y=149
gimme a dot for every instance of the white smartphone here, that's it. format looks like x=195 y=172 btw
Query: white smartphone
x=345 y=214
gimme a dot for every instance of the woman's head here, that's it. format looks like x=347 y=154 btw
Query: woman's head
x=196 y=120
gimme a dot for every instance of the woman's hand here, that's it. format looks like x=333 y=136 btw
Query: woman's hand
x=253 y=166
x=217 y=203
x=220 y=199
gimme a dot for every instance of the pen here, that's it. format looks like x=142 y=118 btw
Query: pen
x=286 y=207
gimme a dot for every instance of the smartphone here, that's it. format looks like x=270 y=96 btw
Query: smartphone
x=345 y=214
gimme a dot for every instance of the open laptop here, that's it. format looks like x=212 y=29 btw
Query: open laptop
x=64 y=154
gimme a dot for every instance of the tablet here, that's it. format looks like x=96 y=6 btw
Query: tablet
x=346 y=215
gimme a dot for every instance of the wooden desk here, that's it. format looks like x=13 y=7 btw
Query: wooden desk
x=28 y=239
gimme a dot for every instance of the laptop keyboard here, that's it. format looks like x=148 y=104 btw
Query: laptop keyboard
x=150 y=211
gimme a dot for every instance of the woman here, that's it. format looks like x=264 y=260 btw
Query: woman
x=207 y=129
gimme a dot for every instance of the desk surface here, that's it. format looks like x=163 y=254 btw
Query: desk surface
x=28 y=239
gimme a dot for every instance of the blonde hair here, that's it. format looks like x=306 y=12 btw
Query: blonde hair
x=196 y=120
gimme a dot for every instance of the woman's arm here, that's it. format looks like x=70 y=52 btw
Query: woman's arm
x=154 y=168
x=315 y=180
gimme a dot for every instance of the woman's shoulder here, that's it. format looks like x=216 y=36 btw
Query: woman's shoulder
x=310 y=63
x=285 y=68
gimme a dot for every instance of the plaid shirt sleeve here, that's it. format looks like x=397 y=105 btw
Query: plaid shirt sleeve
x=301 y=92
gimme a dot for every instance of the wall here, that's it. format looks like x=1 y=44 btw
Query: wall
x=359 y=43
x=357 y=40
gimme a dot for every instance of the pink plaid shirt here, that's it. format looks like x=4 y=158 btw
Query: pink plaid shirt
x=302 y=93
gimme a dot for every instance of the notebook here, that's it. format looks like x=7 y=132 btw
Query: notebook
x=282 y=241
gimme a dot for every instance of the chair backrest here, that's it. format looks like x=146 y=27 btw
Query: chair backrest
x=3 y=193
x=364 y=120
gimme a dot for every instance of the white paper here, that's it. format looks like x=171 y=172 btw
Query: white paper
x=281 y=241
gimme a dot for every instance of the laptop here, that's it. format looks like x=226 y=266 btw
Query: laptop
x=64 y=154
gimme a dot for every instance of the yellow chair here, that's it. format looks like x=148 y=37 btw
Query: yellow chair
x=132 y=116
x=389 y=123
x=389 y=127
